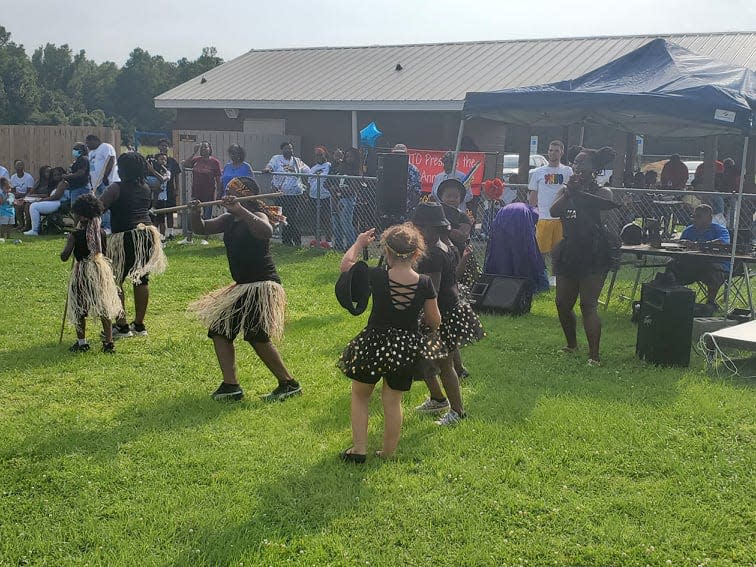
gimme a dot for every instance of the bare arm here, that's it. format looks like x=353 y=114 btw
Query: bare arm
x=257 y=223
x=352 y=255
x=559 y=206
x=108 y=167
x=201 y=226
x=533 y=199
x=110 y=195
x=57 y=193
x=68 y=249
x=431 y=314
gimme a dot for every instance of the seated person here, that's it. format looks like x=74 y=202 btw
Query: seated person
x=711 y=273
x=512 y=248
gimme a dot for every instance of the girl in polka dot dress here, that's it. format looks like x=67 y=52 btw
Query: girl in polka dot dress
x=391 y=346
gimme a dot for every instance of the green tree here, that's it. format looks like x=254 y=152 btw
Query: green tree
x=19 y=82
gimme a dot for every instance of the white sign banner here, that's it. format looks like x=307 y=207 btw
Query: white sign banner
x=724 y=115
x=534 y=144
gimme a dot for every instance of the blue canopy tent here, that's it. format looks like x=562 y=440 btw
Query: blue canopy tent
x=659 y=89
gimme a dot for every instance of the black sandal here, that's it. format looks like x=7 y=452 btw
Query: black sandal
x=355 y=458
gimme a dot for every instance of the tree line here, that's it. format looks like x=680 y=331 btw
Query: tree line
x=57 y=86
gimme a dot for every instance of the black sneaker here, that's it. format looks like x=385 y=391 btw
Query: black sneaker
x=228 y=392
x=76 y=347
x=283 y=391
x=138 y=329
x=120 y=332
x=108 y=348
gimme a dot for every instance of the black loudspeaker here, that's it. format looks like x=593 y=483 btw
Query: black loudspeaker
x=665 y=325
x=391 y=188
x=502 y=294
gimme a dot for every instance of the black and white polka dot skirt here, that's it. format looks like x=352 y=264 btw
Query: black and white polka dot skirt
x=388 y=353
x=460 y=326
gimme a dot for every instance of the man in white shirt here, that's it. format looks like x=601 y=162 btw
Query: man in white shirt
x=448 y=162
x=22 y=180
x=544 y=182
x=102 y=169
x=292 y=186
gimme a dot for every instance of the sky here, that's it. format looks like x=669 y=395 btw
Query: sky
x=108 y=30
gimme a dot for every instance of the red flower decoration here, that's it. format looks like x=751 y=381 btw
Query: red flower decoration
x=493 y=189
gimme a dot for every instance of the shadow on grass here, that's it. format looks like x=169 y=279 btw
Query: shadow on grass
x=540 y=372
x=103 y=442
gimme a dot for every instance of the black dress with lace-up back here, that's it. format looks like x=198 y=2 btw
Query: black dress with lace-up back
x=391 y=345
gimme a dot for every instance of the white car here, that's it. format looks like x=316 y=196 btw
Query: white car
x=511 y=162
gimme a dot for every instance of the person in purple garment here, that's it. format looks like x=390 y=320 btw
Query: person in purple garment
x=513 y=250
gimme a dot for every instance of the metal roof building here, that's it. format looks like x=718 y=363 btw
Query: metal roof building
x=429 y=77
x=414 y=93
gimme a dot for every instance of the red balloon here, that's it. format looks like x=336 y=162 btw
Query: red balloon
x=493 y=189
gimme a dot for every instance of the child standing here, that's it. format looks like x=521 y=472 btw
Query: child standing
x=158 y=170
x=391 y=345
x=459 y=323
x=92 y=290
x=7 y=210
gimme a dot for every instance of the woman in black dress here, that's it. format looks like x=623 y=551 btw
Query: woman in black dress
x=588 y=250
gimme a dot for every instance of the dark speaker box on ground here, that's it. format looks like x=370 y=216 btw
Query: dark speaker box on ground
x=391 y=187
x=502 y=294
x=665 y=325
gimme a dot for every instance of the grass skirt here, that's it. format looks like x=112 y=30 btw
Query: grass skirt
x=254 y=307
x=148 y=255
x=376 y=353
x=92 y=290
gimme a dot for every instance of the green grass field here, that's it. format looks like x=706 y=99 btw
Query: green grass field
x=126 y=460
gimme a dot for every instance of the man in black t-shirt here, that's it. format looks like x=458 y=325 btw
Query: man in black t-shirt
x=173 y=185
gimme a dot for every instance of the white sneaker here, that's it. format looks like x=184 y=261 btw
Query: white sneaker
x=552 y=281
x=31 y=233
x=450 y=418
x=204 y=242
x=432 y=406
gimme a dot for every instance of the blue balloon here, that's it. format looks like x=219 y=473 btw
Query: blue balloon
x=369 y=135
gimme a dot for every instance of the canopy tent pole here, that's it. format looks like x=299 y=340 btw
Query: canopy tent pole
x=459 y=143
x=736 y=225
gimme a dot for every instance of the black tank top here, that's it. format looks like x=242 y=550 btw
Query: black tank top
x=397 y=305
x=81 y=248
x=130 y=209
x=249 y=258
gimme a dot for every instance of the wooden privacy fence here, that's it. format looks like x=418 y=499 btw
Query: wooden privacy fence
x=47 y=145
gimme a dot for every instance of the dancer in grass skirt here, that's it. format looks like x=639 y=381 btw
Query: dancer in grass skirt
x=134 y=246
x=92 y=291
x=391 y=346
x=459 y=323
x=255 y=303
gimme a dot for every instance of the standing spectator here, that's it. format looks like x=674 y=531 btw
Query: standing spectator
x=103 y=170
x=21 y=182
x=291 y=186
x=7 y=210
x=414 y=186
x=237 y=167
x=323 y=201
x=206 y=179
x=79 y=178
x=545 y=182
x=344 y=198
x=158 y=169
x=448 y=162
x=4 y=173
x=173 y=185
x=650 y=179
x=674 y=174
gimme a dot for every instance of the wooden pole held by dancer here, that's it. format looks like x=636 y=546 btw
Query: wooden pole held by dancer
x=65 y=308
x=211 y=203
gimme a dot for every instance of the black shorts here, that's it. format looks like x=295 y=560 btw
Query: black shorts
x=252 y=331
x=130 y=256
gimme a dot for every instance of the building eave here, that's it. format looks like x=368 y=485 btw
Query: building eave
x=378 y=105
